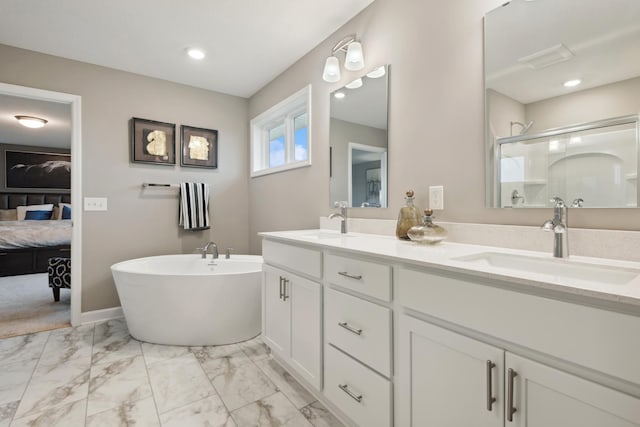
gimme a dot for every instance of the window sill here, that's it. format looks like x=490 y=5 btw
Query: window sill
x=282 y=168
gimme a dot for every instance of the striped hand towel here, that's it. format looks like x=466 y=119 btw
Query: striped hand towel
x=194 y=206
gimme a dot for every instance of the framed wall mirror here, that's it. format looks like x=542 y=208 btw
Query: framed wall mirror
x=562 y=98
x=358 y=140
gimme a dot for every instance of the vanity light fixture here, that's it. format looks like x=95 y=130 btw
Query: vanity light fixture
x=354 y=59
x=31 y=122
x=195 y=53
x=354 y=84
x=339 y=95
x=377 y=72
x=572 y=83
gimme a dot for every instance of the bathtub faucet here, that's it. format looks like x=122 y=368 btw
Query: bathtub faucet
x=214 y=251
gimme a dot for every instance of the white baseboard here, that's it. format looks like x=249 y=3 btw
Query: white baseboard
x=101 y=315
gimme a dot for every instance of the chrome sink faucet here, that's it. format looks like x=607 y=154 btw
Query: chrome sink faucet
x=559 y=225
x=342 y=215
x=214 y=251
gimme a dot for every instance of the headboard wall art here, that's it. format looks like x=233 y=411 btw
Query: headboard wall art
x=34 y=169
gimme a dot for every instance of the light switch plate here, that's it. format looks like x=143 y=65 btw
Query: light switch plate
x=95 y=203
x=436 y=197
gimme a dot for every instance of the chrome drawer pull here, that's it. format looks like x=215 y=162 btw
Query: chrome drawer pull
x=345 y=388
x=490 y=399
x=284 y=289
x=281 y=291
x=350 y=276
x=510 y=408
x=350 y=328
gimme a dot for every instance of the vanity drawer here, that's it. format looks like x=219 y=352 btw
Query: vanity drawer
x=295 y=258
x=356 y=390
x=367 y=277
x=360 y=328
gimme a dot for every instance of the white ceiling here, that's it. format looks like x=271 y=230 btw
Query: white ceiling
x=366 y=105
x=604 y=37
x=248 y=42
x=56 y=133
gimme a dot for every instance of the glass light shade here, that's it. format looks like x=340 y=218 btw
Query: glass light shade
x=31 y=122
x=377 y=72
x=354 y=60
x=354 y=84
x=331 y=71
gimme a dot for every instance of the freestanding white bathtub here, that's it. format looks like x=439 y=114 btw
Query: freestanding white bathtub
x=187 y=300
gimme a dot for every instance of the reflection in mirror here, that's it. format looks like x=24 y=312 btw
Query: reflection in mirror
x=359 y=141
x=557 y=71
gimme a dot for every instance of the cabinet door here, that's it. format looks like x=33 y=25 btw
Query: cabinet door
x=276 y=327
x=447 y=379
x=547 y=397
x=306 y=332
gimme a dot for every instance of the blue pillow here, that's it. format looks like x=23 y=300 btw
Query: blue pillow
x=38 y=215
x=66 y=212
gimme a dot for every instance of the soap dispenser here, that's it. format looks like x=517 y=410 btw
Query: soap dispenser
x=407 y=218
x=428 y=232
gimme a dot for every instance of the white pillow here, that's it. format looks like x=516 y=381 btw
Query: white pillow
x=60 y=209
x=22 y=210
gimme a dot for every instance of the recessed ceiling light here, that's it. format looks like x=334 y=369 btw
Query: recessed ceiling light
x=572 y=83
x=31 y=122
x=339 y=95
x=195 y=53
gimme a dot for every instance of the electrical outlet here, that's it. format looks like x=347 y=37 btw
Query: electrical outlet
x=95 y=203
x=436 y=197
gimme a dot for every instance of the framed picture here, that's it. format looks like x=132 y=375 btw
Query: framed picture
x=36 y=170
x=153 y=142
x=199 y=147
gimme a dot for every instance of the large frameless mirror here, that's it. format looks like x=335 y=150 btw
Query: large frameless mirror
x=562 y=96
x=359 y=141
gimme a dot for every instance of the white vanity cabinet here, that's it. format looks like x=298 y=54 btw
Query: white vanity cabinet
x=358 y=338
x=449 y=378
x=292 y=308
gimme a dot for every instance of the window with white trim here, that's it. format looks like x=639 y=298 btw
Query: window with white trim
x=281 y=136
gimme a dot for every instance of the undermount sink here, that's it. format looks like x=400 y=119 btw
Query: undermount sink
x=555 y=267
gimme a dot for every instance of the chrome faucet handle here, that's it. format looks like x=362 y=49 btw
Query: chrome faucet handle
x=341 y=204
x=227 y=253
x=548 y=225
x=577 y=203
x=558 y=202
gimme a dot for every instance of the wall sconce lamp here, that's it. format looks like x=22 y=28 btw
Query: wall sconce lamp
x=353 y=61
x=31 y=122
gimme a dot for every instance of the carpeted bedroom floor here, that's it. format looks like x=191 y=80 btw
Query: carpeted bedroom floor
x=27 y=306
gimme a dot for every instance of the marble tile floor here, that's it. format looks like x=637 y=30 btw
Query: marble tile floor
x=98 y=375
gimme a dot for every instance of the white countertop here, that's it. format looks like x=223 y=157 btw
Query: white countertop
x=444 y=256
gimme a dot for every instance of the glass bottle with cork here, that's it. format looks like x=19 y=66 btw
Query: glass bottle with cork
x=408 y=217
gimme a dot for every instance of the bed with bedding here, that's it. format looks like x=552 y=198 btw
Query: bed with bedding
x=28 y=237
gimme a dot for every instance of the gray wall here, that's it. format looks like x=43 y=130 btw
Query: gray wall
x=141 y=223
x=603 y=102
x=436 y=120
